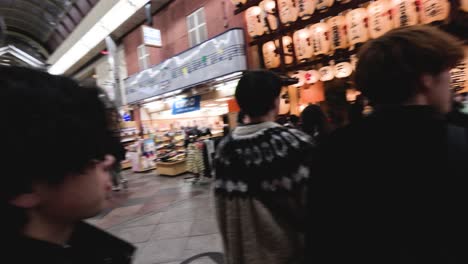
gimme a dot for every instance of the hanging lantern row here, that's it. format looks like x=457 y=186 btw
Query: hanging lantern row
x=382 y=14
x=344 y=31
x=326 y=73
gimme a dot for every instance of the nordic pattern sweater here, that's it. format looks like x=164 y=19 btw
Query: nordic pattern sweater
x=260 y=189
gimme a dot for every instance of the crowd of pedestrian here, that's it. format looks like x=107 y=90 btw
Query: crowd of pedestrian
x=387 y=188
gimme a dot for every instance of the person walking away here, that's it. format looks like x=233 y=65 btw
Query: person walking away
x=64 y=130
x=261 y=174
x=405 y=203
x=314 y=122
x=459 y=113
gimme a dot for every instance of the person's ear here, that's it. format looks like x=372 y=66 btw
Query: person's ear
x=277 y=102
x=26 y=200
x=426 y=81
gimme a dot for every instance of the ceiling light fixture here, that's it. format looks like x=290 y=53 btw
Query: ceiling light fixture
x=115 y=17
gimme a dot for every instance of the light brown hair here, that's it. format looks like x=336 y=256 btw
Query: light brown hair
x=390 y=67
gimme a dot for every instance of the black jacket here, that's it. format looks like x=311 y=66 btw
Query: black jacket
x=390 y=191
x=88 y=245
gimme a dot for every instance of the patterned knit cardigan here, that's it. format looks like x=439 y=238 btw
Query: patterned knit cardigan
x=261 y=175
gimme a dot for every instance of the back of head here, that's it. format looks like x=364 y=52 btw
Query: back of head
x=390 y=67
x=257 y=92
x=294 y=119
x=313 y=120
x=53 y=128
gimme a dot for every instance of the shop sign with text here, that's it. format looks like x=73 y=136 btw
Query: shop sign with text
x=186 y=105
x=151 y=36
x=217 y=57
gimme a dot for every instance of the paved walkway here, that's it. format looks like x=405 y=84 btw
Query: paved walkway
x=167 y=218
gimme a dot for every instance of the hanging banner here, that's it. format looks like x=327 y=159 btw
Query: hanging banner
x=186 y=105
x=219 y=56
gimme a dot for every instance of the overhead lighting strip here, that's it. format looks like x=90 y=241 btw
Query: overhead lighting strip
x=114 y=18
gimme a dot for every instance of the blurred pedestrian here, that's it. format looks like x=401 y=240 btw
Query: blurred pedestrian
x=356 y=109
x=459 y=113
x=261 y=176
x=56 y=171
x=293 y=121
x=314 y=122
x=393 y=187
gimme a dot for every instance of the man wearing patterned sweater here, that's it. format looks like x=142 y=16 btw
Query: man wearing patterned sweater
x=261 y=174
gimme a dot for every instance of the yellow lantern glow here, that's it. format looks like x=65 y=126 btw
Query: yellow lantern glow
x=404 y=13
x=464 y=5
x=255 y=23
x=327 y=73
x=324 y=5
x=270 y=56
x=434 y=10
x=303 y=45
x=288 y=11
x=268 y=7
x=306 y=8
x=288 y=50
x=338 y=37
x=459 y=75
x=320 y=38
x=379 y=18
x=356 y=25
x=343 y=70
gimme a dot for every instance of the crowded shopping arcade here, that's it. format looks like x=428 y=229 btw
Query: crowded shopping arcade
x=234 y=132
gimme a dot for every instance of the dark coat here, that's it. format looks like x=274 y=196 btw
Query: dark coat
x=88 y=245
x=390 y=192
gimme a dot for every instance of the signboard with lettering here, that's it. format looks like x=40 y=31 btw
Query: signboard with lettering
x=219 y=56
x=186 y=105
x=151 y=36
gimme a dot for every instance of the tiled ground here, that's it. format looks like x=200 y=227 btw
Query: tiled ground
x=168 y=219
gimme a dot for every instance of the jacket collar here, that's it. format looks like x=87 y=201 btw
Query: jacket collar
x=85 y=239
x=252 y=130
x=408 y=112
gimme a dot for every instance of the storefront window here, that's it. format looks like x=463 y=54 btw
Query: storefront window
x=196 y=25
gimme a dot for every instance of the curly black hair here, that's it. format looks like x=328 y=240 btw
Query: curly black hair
x=52 y=127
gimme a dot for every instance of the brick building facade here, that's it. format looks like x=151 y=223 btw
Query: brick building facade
x=172 y=21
